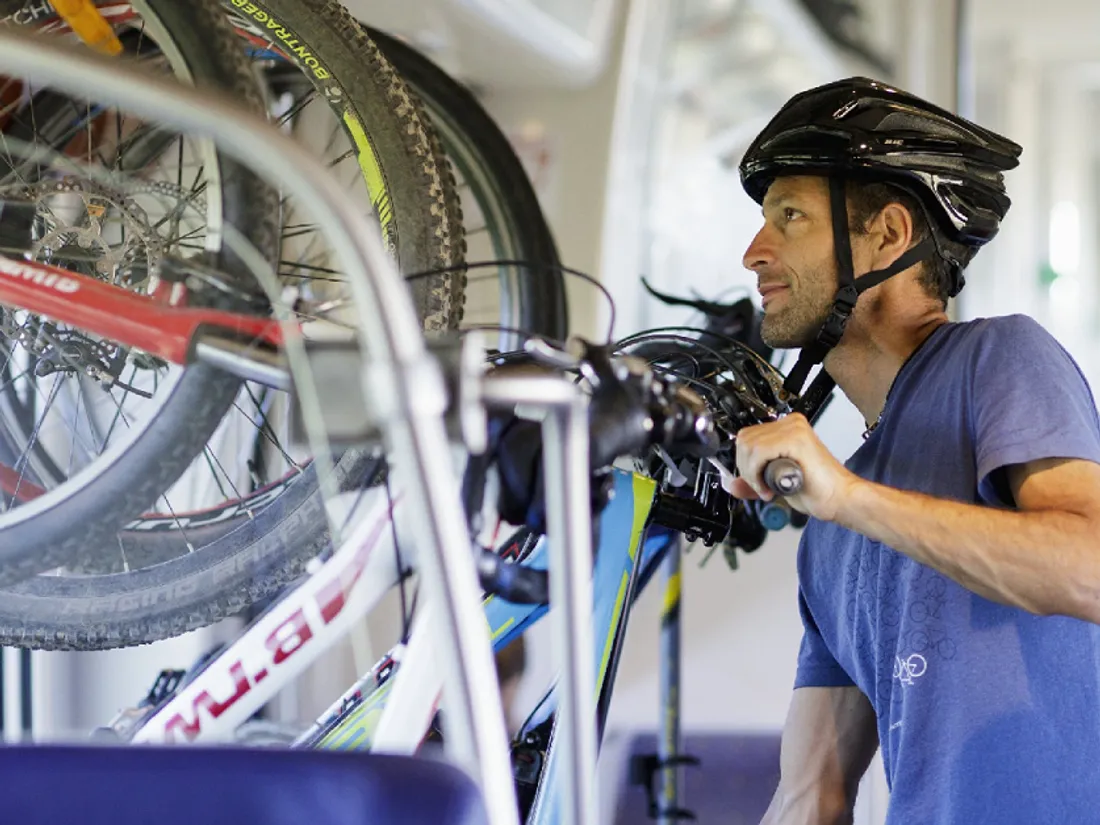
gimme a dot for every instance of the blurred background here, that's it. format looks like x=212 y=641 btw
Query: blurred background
x=631 y=116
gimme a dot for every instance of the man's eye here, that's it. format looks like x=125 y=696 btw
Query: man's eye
x=790 y=214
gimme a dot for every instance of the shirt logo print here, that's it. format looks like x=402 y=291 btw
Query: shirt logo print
x=910 y=668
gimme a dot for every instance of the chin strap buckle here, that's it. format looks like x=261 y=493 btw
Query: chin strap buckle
x=841 y=311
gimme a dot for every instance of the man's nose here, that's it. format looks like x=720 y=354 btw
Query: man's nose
x=760 y=254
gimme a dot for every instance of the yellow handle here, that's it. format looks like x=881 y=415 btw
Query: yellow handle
x=84 y=18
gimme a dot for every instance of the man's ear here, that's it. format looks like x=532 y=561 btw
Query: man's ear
x=892 y=231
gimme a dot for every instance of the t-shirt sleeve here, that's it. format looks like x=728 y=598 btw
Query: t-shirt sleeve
x=1029 y=401
x=817 y=667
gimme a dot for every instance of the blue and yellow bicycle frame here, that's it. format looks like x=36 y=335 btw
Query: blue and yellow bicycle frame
x=626 y=556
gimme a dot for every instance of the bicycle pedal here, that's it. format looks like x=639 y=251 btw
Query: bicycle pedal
x=528 y=761
x=527 y=765
x=164 y=687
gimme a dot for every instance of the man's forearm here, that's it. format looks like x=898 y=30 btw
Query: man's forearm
x=828 y=741
x=808 y=809
x=1042 y=561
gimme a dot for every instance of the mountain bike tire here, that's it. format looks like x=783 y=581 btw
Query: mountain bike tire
x=408 y=178
x=490 y=167
x=253 y=548
x=252 y=561
x=57 y=529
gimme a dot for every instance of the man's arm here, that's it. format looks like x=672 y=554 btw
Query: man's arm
x=828 y=742
x=1043 y=557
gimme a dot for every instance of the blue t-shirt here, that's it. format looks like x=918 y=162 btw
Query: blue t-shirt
x=986 y=713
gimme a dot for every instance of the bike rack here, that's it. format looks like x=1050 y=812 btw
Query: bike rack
x=402 y=382
x=569 y=536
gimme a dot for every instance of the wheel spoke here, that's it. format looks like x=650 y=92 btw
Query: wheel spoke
x=119 y=414
x=265 y=428
x=122 y=551
x=179 y=524
x=296 y=108
x=22 y=461
x=350 y=153
x=312 y=268
x=297 y=230
x=211 y=461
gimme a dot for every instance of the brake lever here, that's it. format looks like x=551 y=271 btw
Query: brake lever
x=784 y=477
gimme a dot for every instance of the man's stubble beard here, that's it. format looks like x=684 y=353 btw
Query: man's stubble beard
x=795 y=325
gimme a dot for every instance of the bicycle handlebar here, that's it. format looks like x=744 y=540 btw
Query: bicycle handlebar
x=633 y=408
x=784 y=477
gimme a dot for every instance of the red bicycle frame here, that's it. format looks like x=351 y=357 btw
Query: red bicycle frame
x=144 y=322
x=150 y=323
x=159 y=324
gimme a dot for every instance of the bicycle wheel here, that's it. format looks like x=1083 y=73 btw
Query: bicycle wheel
x=82 y=221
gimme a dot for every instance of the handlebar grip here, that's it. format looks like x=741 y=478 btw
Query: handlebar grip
x=783 y=476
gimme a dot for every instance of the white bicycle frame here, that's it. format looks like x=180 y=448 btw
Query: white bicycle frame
x=277 y=647
x=294 y=632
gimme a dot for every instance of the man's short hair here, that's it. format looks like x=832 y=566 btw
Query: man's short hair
x=867 y=199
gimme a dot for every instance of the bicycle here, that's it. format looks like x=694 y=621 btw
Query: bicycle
x=392 y=707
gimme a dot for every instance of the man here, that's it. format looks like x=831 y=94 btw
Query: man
x=950 y=576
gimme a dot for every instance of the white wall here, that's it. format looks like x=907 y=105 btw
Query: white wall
x=1050 y=109
x=564 y=137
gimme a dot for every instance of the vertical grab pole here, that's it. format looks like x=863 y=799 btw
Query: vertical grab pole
x=668 y=741
x=566 y=472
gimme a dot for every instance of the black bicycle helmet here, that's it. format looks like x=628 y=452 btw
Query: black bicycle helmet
x=863 y=129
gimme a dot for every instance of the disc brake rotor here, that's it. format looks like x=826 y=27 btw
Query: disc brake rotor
x=95 y=230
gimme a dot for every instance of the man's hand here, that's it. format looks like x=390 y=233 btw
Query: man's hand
x=827 y=481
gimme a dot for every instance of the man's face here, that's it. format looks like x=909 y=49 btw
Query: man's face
x=792 y=256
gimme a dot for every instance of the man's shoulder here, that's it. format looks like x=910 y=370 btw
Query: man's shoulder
x=1002 y=338
x=1005 y=325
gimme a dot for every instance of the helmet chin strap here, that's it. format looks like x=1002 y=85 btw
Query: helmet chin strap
x=850 y=289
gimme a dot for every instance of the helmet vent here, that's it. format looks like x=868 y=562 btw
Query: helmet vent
x=922 y=125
